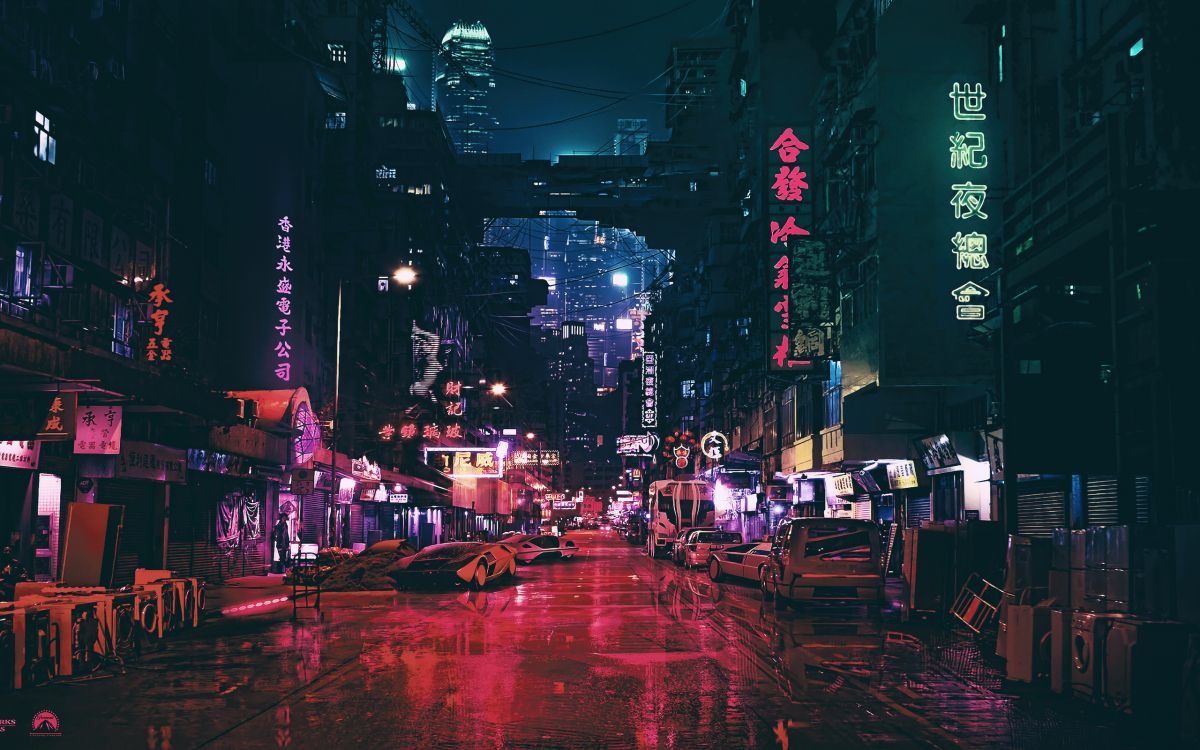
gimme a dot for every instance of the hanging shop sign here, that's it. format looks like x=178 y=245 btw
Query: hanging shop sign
x=427 y=363
x=714 y=445
x=477 y=463
x=139 y=460
x=364 y=468
x=902 y=475
x=531 y=458
x=19 y=454
x=158 y=346
x=304 y=481
x=678 y=447
x=60 y=417
x=968 y=189
x=98 y=430
x=650 y=389
x=637 y=445
x=554 y=497
x=283 y=299
x=937 y=452
x=565 y=504
x=397 y=497
x=799 y=311
x=843 y=485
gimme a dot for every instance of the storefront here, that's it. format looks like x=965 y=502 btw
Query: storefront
x=18 y=490
x=959 y=475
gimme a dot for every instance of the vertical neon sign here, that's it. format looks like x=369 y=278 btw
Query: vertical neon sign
x=650 y=389
x=786 y=192
x=283 y=302
x=969 y=192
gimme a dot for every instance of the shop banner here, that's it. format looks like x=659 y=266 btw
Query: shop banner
x=150 y=461
x=19 y=454
x=843 y=485
x=902 y=475
x=98 y=430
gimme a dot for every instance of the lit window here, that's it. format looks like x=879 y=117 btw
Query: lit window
x=210 y=173
x=335 y=121
x=693 y=186
x=385 y=173
x=742 y=86
x=337 y=53
x=1135 y=49
x=43 y=147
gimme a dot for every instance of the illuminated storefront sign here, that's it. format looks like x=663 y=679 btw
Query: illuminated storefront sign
x=158 y=346
x=637 y=445
x=98 y=430
x=650 y=389
x=19 y=454
x=283 y=301
x=902 y=475
x=799 y=309
x=968 y=160
x=843 y=485
x=530 y=458
x=564 y=504
x=555 y=497
x=364 y=468
x=714 y=445
x=477 y=463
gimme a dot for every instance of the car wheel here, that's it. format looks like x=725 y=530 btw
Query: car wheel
x=714 y=569
x=764 y=585
x=512 y=568
x=479 y=579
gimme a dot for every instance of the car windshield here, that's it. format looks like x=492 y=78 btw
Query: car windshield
x=545 y=542
x=449 y=551
x=718 y=537
x=838 y=542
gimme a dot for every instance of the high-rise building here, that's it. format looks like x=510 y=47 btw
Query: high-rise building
x=463 y=84
x=631 y=137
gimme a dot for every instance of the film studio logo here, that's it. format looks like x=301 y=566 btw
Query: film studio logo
x=45 y=724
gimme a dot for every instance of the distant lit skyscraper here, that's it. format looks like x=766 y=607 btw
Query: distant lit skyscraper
x=463 y=84
x=631 y=136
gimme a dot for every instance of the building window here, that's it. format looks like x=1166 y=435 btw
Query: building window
x=688 y=389
x=335 y=121
x=337 y=53
x=210 y=173
x=385 y=173
x=833 y=395
x=122 y=329
x=389 y=122
x=44 y=146
x=22 y=272
x=693 y=186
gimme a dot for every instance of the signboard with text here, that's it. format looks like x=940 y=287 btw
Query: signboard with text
x=98 y=430
x=531 y=458
x=649 y=389
x=637 y=445
x=477 y=463
x=19 y=454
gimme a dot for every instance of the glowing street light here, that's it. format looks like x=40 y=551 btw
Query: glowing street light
x=406 y=275
x=530 y=436
x=498 y=389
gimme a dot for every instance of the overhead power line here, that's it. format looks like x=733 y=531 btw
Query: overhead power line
x=605 y=32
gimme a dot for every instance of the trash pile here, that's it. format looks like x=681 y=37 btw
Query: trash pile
x=368 y=571
x=328 y=558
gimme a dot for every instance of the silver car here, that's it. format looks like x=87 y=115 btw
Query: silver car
x=700 y=545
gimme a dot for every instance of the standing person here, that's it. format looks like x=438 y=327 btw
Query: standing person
x=283 y=543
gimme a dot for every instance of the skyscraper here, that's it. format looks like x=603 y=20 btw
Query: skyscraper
x=631 y=136
x=463 y=83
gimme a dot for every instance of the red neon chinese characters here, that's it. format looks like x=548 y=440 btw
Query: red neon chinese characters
x=789 y=183
x=788 y=146
x=431 y=432
x=785 y=230
x=408 y=431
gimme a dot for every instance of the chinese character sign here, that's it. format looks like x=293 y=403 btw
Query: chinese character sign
x=158 y=345
x=650 y=389
x=283 y=298
x=59 y=422
x=968 y=197
x=98 y=430
x=795 y=337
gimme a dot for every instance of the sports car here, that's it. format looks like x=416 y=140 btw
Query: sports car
x=741 y=561
x=538 y=546
x=470 y=563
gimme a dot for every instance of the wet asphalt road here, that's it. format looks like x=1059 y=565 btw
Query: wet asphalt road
x=608 y=650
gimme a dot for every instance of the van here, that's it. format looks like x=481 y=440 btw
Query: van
x=824 y=559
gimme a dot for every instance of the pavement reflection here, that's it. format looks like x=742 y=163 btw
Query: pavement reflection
x=608 y=650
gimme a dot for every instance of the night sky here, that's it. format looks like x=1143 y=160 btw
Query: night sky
x=622 y=61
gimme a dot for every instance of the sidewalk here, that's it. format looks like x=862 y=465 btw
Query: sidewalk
x=253 y=593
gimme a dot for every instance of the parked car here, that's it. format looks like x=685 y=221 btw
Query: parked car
x=680 y=542
x=470 y=563
x=826 y=559
x=700 y=545
x=539 y=546
x=739 y=561
x=635 y=530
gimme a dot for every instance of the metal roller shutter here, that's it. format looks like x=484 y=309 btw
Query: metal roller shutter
x=1102 y=501
x=1141 y=498
x=137 y=534
x=918 y=511
x=312 y=518
x=357 y=535
x=1040 y=511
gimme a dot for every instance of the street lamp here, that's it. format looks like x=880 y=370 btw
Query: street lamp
x=406 y=275
x=530 y=436
x=403 y=275
x=498 y=389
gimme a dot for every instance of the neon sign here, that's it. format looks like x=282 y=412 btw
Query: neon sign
x=968 y=197
x=650 y=389
x=796 y=267
x=158 y=346
x=283 y=302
